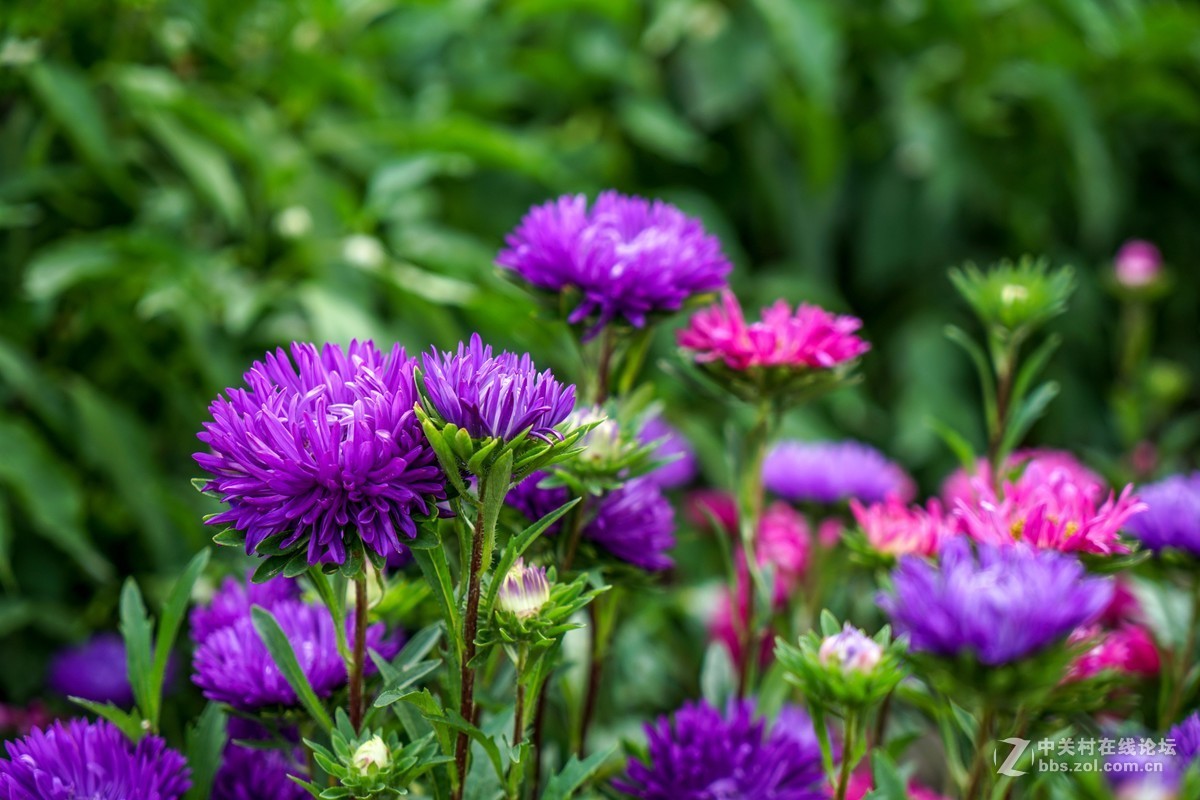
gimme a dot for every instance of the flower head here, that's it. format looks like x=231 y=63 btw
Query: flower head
x=832 y=472
x=700 y=753
x=1128 y=649
x=495 y=396
x=1038 y=462
x=232 y=602
x=1049 y=507
x=783 y=543
x=851 y=650
x=322 y=448
x=635 y=523
x=1171 y=519
x=524 y=590
x=372 y=756
x=809 y=338
x=233 y=665
x=95 y=670
x=627 y=257
x=254 y=774
x=1005 y=604
x=1137 y=263
x=896 y=529
x=675 y=451
x=93 y=760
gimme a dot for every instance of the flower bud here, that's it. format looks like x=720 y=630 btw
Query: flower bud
x=1137 y=263
x=851 y=650
x=372 y=756
x=524 y=590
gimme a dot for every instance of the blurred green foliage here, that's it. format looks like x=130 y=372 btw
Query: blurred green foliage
x=186 y=184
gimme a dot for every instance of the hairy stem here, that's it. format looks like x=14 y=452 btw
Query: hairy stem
x=975 y=777
x=359 y=656
x=519 y=711
x=466 y=705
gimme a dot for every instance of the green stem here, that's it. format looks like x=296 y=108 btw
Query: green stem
x=359 y=656
x=466 y=703
x=1004 y=363
x=602 y=612
x=1183 y=660
x=750 y=506
x=519 y=710
x=849 y=745
x=603 y=370
x=975 y=778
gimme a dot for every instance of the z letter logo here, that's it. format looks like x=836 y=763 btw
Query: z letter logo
x=1018 y=748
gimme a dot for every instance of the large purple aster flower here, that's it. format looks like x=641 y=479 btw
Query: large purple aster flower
x=254 y=774
x=81 y=760
x=1173 y=517
x=635 y=523
x=627 y=257
x=673 y=449
x=95 y=670
x=233 y=665
x=233 y=600
x=832 y=472
x=495 y=396
x=321 y=448
x=701 y=754
x=1008 y=603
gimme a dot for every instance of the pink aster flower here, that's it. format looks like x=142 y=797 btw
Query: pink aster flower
x=897 y=529
x=1129 y=649
x=1036 y=462
x=1137 y=263
x=1050 y=507
x=704 y=507
x=783 y=542
x=811 y=337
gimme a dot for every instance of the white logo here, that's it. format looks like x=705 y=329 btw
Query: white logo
x=1018 y=749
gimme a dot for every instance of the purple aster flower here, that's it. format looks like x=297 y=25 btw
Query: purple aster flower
x=253 y=774
x=233 y=666
x=320 y=448
x=1008 y=603
x=627 y=257
x=495 y=396
x=535 y=501
x=635 y=523
x=1173 y=517
x=674 y=449
x=233 y=600
x=699 y=753
x=832 y=472
x=95 y=670
x=81 y=760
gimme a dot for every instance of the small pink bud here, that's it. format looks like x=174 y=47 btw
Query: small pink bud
x=1137 y=263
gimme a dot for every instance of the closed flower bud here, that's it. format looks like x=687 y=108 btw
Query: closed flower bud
x=1137 y=263
x=524 y=590
x=852 y=650
x=372 y=756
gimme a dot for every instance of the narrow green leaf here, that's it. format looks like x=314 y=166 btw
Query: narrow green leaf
x=575 y=774
x=204 y=746
x=281 y=651
x=128 y=723
x=172 y=619
x=829 y=623
x=405 y=680
x=1027 y=414
x=987 y=381
x=718 y=678
x=517 y=546
x=1034 y=363
x=437 y=572
x=957 y=443
x=137 y=629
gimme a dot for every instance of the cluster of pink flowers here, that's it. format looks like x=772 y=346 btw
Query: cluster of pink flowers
x=811 y=337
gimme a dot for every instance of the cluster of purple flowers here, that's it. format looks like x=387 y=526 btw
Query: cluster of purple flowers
x=628 y=258
x=700 y=753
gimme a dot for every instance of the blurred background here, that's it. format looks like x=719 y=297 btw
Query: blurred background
x=184 y=185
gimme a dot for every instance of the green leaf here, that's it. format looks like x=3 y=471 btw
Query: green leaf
x=419 y=646
x=829 y=623
x=983 y=368
x=203 y=163
x=718 y=677
x=1028 y=413
x=957 y=443
x=63 y=264
x=137 y=629
x=437 y=572
x=403 y=683
x=204 y=745
x=172 y=619
x=7 y=578
x=129 y=724
x=889 y=784
x=1034 y=363
x=281 y=651
x=517 y=546
x=575 y=774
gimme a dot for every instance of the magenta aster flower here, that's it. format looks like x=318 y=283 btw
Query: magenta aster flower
x=495 y=396
x=700 y=753
x=1171 y=519
x=832 y=472
x=674 y=449
x=81 y=760
x=810 y=338
x=233 y=665
x=1005 y=604
x=322 y=448
x=897 y=529
x=1038 y=462
x=627 y=257
x=1049 y=507
x=232 y=602
x=635 y=523
x=1128 y=648
x=254 y=774
x=783 y=542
